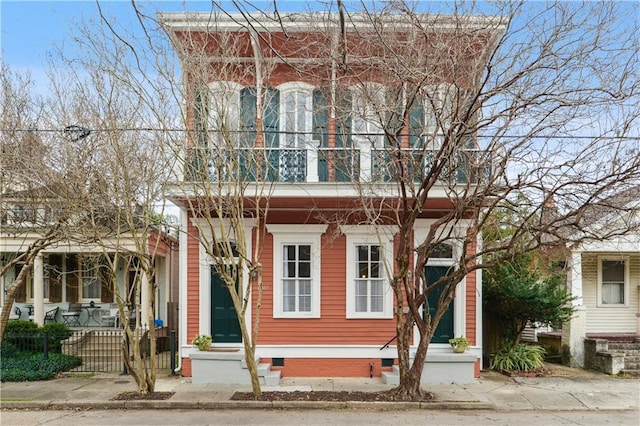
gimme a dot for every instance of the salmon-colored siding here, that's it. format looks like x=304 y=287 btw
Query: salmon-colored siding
x=332 y=327
x=193 y=280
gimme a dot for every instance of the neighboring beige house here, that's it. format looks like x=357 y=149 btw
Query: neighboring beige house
x=604 y=276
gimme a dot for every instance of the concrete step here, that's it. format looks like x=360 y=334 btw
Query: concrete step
x=631 y=372
x=391 y=377
x=272 y=378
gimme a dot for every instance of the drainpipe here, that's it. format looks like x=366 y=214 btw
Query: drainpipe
x=182 y=282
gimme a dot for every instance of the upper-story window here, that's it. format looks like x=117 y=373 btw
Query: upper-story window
x=224 y=113
x=368 y=113
x=296 y=114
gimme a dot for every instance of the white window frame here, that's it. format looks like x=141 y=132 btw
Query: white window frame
x=224 y=95
x=368 y=235
x=295 y=135
x=296 y=235
x=95 y=267
x=367 y=101
x=599 y=302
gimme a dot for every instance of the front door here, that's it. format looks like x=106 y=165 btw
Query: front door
x=444 y=330
x=224 y=321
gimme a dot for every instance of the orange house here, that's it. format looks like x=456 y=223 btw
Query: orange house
x=295 y=116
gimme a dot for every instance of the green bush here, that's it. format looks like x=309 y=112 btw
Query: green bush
x=27 y=336
x=27 y=366
x=7 y=350
x=518 y=357
x=57 y=333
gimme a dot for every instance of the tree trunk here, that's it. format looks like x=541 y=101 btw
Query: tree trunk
x=10 y=297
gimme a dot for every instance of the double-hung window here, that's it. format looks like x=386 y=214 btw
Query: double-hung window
x=296 y=278
x=613 y=279
x=368 y=112
x=369 y=252
x=369 y=284
x=90 y=278
x=296 y=109
x=296 y=272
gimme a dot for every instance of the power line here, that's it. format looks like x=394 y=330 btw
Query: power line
x=176 y=130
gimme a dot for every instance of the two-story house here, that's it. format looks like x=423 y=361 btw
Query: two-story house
x=296 y=116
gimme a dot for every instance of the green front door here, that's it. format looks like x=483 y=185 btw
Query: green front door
x=224 y=321
x=444 y=330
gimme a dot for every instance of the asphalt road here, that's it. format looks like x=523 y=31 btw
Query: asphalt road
x=316 y=417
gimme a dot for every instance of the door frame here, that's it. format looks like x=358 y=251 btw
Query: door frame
x=421 y=229
x=205 y=262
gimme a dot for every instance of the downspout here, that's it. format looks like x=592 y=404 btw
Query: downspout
x=182 y=282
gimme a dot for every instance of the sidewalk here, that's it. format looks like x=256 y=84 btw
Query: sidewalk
x=492 y=392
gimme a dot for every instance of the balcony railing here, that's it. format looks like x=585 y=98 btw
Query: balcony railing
x=340 y=165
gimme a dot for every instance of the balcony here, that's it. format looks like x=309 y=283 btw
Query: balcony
x=336 y=165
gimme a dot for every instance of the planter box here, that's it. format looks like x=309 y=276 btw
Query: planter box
x=223 y=366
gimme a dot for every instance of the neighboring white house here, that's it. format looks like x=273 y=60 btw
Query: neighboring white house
x=604 y=276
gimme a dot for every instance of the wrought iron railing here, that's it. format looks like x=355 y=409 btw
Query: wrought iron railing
x=306 y=165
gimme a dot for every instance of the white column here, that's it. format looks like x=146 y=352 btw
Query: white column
x=38 y=290
x=145 y=300
x=312 y=161
x=365 y=161
x=574 y=331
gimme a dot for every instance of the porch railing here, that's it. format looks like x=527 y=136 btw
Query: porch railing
x=312 y=164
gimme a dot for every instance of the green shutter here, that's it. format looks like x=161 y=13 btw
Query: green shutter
x=321 y=117
x=248 y=116
x=416 y=123
x=72 y=278
x=343 y=119
x=272 y=117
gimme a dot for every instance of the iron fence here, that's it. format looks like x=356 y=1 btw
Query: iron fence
x=100 y=350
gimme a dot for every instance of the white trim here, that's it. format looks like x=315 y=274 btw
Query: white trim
x=369 y=234
x=458 y=233
x=290 y=235
x=626 y=284
x=345 y=351
x=204 y=301
x=295 y=88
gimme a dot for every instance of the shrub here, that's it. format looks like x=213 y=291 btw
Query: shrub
x=21 y=327
x=518 y=357
x=7 y=350
x=28 y=366
x=57 y=333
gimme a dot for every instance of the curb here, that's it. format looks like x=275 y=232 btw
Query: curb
x=245 y=405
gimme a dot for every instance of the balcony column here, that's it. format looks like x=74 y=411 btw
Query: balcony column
x=145 y=300
x=574 y=330
x=38 y=290
x=365 y=161
x=312 y=161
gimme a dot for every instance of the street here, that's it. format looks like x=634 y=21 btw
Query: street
x=315 y=417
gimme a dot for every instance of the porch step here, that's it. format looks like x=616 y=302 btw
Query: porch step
x=391 y=377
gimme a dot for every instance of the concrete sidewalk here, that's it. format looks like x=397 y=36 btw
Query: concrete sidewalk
x=491 y=391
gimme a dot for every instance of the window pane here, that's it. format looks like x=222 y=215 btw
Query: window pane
x=442 y=251
x=376 y=295
x=305 y=252
x=304 y=299
x=289 y=295
x=290 y=252
x=612 y=293
x=361 y=296
x=375 y=253
x=304 y=270
x=612 y=271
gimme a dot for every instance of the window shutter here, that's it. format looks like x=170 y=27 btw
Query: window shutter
x=55 y=278
x=416 y=123
x=21 y=292
x=343 y=119
x=321 y=117
x=271 y=117
x=72 y=278
x=248 y=116
x=106 y=283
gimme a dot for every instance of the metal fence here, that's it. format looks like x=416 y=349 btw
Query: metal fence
x=100 y=350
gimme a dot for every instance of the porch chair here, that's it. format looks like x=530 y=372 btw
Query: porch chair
x=16 y=314
x=50 y=315
x=72 y=316
x=112 y=316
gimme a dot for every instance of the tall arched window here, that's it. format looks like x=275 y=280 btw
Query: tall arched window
x=296 y=114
